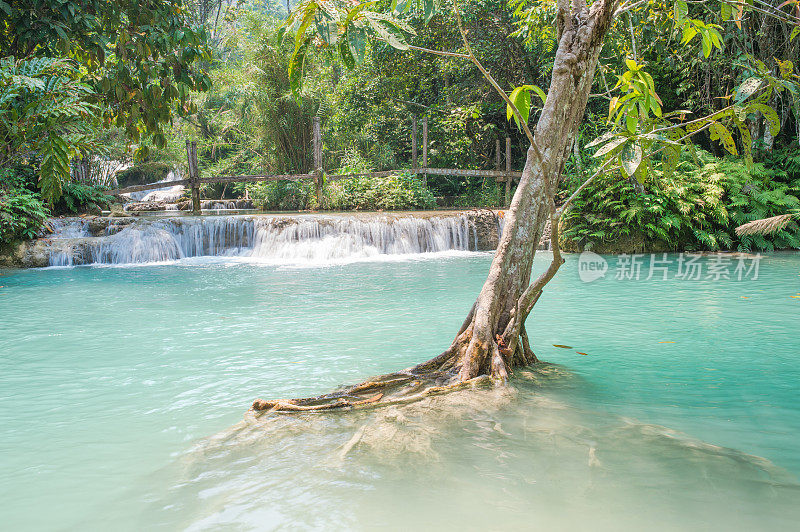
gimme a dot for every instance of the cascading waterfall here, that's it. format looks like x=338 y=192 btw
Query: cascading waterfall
x=301 y=239
x=167 y=193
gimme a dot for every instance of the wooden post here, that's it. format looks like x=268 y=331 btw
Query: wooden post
x=425 y=149
x=414 y=143
x=509 y=178
x=194 y=175
x=425 y=142
x=497 y=154
x=316 y=139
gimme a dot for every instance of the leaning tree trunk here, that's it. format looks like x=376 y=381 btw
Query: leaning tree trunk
x=492 y=339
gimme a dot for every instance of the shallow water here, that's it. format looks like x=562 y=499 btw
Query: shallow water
x=122 y=391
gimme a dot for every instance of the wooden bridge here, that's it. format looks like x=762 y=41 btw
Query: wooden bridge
x=319 y=177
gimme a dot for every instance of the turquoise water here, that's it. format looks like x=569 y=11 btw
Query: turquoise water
x=122 y=391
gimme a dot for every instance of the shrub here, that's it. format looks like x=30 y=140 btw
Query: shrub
x=395 y=192
x=143 y=174
x=80 y=197
x=698 y=207
x=22 y=212
x=488 y=193
x=283 y=195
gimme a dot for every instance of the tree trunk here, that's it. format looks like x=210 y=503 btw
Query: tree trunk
x=492 y=339
x=490 y=342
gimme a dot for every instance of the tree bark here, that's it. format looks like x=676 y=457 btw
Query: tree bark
x=489 y=343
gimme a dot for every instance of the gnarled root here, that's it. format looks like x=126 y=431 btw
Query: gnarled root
x=470 y=360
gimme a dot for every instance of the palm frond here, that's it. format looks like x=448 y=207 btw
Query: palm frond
x=765 y=226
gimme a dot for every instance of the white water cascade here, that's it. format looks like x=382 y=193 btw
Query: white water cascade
x=167 y=193
x=304 y=239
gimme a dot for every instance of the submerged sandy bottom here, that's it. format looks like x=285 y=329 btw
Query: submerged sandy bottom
x=485 y=459
x=122 y=394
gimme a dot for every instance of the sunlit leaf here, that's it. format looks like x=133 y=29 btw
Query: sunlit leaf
x=748 y=87
x=630 y=158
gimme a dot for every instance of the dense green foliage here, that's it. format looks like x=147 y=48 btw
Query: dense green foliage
x=70 y=67
x=144 y=173
x=80 y=197
x=83 y=79
x=140 y=58
x=22 y=211
x=45 y=118
x=395 y=192
x=697 y=207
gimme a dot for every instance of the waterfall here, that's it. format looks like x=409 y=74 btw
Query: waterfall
x=168 y=193
x=280 y=240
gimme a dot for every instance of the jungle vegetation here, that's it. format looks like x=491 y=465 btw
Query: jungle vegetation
x=83 y=82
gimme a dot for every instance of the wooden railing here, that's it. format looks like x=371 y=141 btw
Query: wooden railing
x=319 y=177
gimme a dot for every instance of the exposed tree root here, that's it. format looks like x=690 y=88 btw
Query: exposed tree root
x=474 y=356
x=396 y=388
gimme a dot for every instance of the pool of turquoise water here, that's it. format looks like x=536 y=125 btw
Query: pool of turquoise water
x=119 y=387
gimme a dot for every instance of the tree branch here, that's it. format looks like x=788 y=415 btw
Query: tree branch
x=438 y=52
x=494 y=84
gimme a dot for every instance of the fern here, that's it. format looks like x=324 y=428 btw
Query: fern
x=698 y=206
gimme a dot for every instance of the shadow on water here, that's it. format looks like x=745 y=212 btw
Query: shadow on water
x=486 y=458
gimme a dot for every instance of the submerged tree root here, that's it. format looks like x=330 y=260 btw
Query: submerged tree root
x=392 y=389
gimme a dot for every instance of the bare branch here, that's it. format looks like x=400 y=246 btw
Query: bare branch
x=494 y=84
x=438 y=52
x=628 y=6
x=565 y=206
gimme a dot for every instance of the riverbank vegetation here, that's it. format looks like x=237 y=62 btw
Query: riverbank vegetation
x=86 y=92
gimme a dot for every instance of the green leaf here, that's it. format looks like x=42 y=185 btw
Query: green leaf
x=706 y=44
x=721 y=133
x=357 y=42
x=747 y=89
x=389 y=37
x=401 y=6
x=726 y=11
x=614 y=144
x=632 y=120
x=308 y=17
x=681 y=9
x=327 y=28
x=747 y=141
x=630 y=158
x=429 y=9
x=605 y=137
x=770 y=115
x=390 y=20
x=688 y=34
x=345 y=53
x=296 y=64
x=541 y=93
x=521 y=98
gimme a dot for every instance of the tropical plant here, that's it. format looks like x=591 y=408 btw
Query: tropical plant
x=142 y=59
x=81 y=197
x=45 y=117
x=696 y=207
x=22 y=212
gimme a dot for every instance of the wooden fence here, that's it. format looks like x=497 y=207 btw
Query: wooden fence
x=318 y=175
